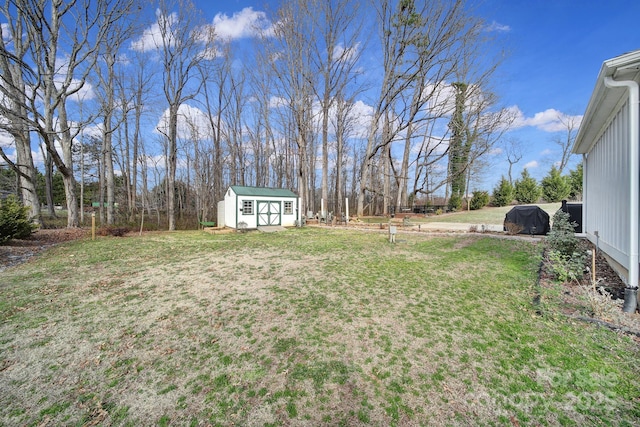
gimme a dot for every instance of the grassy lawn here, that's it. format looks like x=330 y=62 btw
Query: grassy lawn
x=306 y=327
x=484 y=215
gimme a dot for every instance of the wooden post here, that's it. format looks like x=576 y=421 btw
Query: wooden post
x=93 y=226
x=593 y=269
x=346 y=205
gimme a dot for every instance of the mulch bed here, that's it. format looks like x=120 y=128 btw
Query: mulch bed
x=574 y=304
x=18 y=251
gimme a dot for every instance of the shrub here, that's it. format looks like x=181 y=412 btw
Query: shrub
x=555 y=187
x=566 y=268
x=14 y=220
x=512 y=228
x=562 y=236
x=455 y=203
x=111 y=230
x=503 y=193
x=527 y=189
x=479 y=200
x=565 y=260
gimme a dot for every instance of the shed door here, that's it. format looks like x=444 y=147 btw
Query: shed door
x=268 y=213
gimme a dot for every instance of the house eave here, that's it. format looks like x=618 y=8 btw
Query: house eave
x=604 y=100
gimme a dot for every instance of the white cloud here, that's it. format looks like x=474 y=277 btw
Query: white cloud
x=192 y=123
x=550 y=120
x=6 y=140
x=362 y=115
x=496 y=26
x=346 y=54
x=243 y=24
x=6 y=32
x=546 y=152
x=85 y=89
x=151 y=38
x=531 y=165
x=277 y=102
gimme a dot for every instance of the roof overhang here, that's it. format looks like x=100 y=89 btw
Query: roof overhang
x=604 y=100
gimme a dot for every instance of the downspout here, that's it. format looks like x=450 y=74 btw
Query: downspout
x=584 y=193
x=634 y=172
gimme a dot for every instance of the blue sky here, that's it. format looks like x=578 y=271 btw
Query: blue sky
x=554 y=53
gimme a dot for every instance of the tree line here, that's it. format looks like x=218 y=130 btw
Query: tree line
x=382 y=102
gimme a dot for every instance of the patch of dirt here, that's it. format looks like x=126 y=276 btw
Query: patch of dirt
x=17 y=251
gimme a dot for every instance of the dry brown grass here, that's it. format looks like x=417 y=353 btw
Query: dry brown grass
x=304 y=328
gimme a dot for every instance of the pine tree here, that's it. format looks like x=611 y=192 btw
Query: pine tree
x=527 y=189
x=503 y=193
x=555 y=187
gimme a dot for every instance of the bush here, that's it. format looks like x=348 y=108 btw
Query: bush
x=555 y=187
x=14 y=220
x=479 y=200
x=527 y=189
x=565 y=260
x=503 y=193
x=455 y=203
x=562 y=236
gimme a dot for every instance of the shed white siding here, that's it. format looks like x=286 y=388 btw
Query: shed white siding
x=606 y=188
x=259 y=207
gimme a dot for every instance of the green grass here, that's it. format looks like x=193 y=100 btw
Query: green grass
x=486 y=215
x=310 y=326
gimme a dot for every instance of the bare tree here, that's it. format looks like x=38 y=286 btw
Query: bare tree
x=116 y=35
x=290 y=56
x=13 y=107
x=335 y=51
x=63 y=39
x=565 y=142
x=420 y=41
x=183 y=44
x=513 y=153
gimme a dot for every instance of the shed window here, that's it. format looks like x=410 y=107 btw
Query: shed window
x=247 y=207
x=288 y=208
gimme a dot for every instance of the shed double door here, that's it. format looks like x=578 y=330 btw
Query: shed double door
x=268 y=213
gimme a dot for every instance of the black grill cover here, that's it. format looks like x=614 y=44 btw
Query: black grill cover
x=532 y=219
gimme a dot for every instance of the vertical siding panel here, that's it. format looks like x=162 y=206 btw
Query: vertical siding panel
x=608 y=186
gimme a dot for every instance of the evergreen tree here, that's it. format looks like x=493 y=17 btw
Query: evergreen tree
x=14 y=220
x=503 y=193
x=555 y=187
x=527 y=189
x=479 y=200
x=575 y=180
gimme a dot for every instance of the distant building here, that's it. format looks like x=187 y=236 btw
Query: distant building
x=253 y=207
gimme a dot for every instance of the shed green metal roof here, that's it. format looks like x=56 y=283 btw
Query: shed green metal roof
x=262 y=191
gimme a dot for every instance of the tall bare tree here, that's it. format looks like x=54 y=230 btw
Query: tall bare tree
x=14 y=108
x=416 y=36
x=290 y=53
x=513 y=153
x=565 y=142
x=183 y=44
x=63 y=40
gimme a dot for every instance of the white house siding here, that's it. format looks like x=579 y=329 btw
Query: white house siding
x=607 y=189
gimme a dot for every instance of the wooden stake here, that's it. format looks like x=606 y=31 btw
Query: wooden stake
x=593 y=269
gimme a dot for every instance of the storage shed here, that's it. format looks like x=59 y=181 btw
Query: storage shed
x=609 y=144
x=253 y=207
